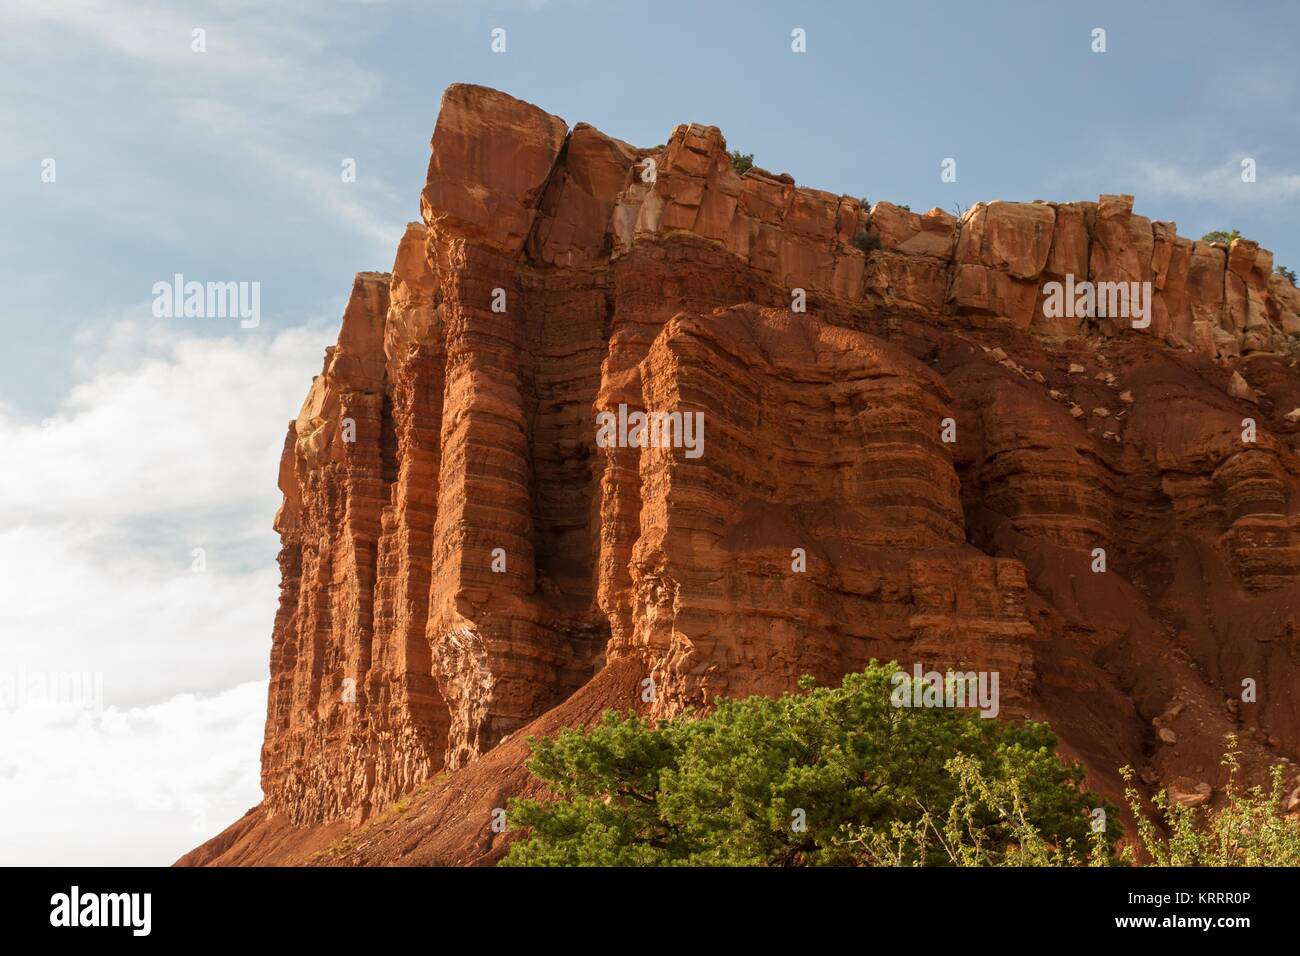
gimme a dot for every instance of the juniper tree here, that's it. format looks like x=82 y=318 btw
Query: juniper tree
x=824 y=776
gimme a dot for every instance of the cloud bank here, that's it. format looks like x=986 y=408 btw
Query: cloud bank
x=136 y=550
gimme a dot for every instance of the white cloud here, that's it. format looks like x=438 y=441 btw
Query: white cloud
x=123 y=603
x=255 y=50
x=261 y=114
x=168 y=442
x=166 y=422
x=1221 y=183
x=136 y=787
x=170 y=438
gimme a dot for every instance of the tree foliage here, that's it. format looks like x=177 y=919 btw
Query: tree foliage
x=1221 y=235
x=826 y=776
x=741 y=162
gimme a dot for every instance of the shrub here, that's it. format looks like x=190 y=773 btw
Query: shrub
x=826 y=776
x=1221 y=235
x=868 y=242
x=1287 y=274
x=741 y=162
x=1249 y=829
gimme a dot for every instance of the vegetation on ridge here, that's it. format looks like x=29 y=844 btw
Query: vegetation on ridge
x=1221 y=235
x=1226 y=237
x=741 y=162
x=841 y=776
x=826 y=776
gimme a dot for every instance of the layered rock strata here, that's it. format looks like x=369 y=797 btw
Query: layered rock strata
x=906 y=452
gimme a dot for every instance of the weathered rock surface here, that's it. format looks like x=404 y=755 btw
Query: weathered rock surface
x=1189 y=793
x=903 y=470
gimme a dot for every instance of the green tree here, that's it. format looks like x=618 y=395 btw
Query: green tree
x=1287 y=274
x=827 y=776
x=741 y=162
x=1221 y=235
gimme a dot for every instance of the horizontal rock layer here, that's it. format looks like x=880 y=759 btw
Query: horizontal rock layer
x=905 y=453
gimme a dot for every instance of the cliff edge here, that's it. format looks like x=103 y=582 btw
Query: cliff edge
x=896 y=436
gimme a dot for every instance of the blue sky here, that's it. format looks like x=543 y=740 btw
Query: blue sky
x=130 y=440
x=225 y=164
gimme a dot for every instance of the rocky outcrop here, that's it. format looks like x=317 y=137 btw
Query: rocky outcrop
x=869 y=434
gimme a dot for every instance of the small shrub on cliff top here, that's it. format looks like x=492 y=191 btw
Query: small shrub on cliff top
x=741 y=162
x=1287 y=274
x=827 y=776
x=1221 y=235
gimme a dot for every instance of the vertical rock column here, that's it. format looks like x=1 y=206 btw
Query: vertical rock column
x=316 y=763
x=410 y=719
x=493 y=659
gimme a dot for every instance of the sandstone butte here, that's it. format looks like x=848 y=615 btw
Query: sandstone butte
x=406 y=674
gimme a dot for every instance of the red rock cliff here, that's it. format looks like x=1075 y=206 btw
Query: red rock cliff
x=916 y=467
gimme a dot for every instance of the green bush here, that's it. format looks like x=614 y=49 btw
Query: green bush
x=741 y=162
x=1248 y=829
x=868 y=242
x=1221 y=235
x=871 y=784
x=1287 y=274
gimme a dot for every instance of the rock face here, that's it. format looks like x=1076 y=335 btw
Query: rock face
x=866 y=438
